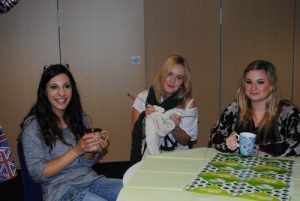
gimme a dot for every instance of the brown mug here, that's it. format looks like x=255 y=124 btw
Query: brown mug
x=98 y=132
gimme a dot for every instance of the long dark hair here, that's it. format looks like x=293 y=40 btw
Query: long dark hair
x=46 y=118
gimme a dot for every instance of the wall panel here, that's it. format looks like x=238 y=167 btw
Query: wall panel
x=98 y=38
x=296 y=85
x=29 y=40
x=257 y=29
x=191 y=29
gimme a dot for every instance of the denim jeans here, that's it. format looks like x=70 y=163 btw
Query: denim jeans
x=102 y=189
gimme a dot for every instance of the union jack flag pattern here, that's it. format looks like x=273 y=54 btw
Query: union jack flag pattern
x=7 y=164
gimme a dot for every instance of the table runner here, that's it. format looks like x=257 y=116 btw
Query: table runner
x=254 y=178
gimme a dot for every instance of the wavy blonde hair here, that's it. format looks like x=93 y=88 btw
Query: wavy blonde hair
x=185 y=90
x=272 y=99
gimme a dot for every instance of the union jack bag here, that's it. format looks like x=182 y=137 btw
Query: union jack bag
x=7 y=164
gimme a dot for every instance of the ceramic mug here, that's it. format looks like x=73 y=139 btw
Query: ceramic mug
x=246 y=143
x=98 y=132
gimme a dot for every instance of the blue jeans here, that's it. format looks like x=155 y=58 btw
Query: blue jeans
x=102 y=189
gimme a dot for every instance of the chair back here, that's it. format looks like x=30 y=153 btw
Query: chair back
x=32 y=190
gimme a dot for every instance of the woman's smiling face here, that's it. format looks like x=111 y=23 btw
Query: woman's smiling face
x=257 y=85
x=174 y=80
x=59 y=93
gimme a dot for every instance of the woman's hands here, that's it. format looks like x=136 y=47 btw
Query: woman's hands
x=149 y=109
x=90 y=143
x=176 y=119
x=231 y=141
x=179 y=134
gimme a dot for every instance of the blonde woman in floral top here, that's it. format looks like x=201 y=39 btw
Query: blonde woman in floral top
x=258 y=109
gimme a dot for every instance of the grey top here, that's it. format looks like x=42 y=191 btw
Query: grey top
x=37 y=155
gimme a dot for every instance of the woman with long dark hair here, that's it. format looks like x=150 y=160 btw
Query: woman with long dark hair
x=57 y=150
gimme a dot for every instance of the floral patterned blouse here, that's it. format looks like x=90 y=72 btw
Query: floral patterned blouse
x=282 y=139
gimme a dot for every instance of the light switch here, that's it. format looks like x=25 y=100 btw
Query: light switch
x=136 y=59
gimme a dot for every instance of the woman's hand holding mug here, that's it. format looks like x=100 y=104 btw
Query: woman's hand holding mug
x=246 y=143
x=101 y=135
x=232 y=141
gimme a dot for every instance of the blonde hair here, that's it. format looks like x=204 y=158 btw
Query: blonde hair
x=158 y=82
x=272 y=99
